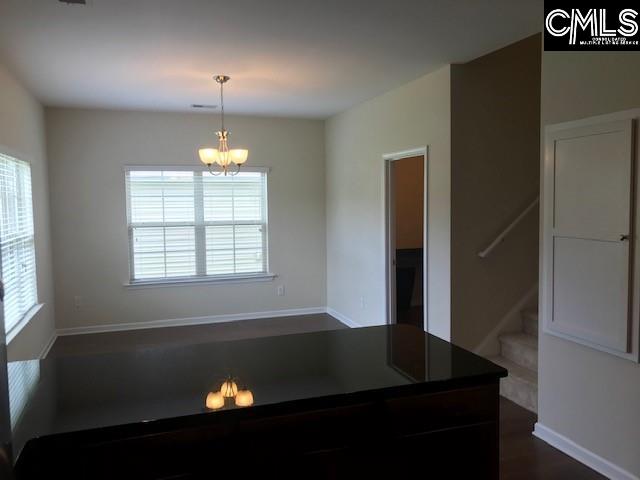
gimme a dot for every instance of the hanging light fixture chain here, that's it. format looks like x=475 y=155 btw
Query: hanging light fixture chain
x=222 y=104
x=223 y=156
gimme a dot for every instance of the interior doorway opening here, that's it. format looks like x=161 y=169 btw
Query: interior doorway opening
x=406 y=225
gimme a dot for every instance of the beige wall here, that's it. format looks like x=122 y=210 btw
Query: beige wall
x=412 y=116
x=590 y=397
x=22 y=135
x=495 y=113
x=88 y=150
x=408 y=175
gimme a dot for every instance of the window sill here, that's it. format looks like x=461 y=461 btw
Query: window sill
x=24 y=321
x=250 y=278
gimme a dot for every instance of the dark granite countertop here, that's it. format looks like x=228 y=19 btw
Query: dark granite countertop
x=157 y=387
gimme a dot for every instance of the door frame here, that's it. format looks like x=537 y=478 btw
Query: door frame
x=389 y=232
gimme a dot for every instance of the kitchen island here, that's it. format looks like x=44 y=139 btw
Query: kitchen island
x=376 y=401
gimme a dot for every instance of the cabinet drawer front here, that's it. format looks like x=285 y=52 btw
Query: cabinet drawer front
x=426 y=413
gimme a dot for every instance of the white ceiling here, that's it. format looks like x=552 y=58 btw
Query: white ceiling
x=306 y=58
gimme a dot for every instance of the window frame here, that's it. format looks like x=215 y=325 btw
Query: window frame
x=200 y=234
x=31 y=312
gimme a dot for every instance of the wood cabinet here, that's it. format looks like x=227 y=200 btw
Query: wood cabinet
x=450 y=434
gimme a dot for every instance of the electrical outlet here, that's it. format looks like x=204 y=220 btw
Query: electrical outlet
x=77 y=302
x=281 y=290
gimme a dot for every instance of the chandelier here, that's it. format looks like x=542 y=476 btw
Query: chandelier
x=223 y=156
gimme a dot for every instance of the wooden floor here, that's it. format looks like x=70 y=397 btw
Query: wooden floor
x=218 y=332
x=522 y=456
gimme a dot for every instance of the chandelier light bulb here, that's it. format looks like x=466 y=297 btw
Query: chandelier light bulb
x=244 y=398
x=229 y=389
x=208 y=156
x=214 y=401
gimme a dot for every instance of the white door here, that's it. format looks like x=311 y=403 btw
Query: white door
x=589 y=186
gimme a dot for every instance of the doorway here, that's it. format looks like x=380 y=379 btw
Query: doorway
x=406 y=235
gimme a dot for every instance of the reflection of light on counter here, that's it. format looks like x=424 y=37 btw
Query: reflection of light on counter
x=23 y=379
x=229 y=389
x=244 y=398
x=214 y=401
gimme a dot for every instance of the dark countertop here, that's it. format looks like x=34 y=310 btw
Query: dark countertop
x=157 y=387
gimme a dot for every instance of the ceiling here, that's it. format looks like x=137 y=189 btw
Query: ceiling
x=302 y=58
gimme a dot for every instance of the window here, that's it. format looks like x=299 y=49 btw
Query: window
x=186 y=224
x=17 y=247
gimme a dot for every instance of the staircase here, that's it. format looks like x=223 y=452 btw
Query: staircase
x=519 y=355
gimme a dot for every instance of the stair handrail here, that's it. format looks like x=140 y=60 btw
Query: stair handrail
x=500 y=238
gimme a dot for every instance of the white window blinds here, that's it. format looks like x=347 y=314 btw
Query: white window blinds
x=17 y=248
x=190 y=224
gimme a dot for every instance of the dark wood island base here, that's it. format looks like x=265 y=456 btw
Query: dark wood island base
x=382 y=401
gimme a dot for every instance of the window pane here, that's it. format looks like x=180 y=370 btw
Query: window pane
x=178 y=197
x=17 y=246
x=181 y=251
x=218 y=198
x=247 y=193
x=163 y=196
x=160 y=252
x=249 y=240
x=219 y=241
x=148 y=252
x=19 y=276
x=238 y=198
x=247 y=257
x=145 y=196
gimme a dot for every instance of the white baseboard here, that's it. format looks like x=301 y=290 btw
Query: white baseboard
x=342 y=318
x=48 y=345
x=581 y=454
x=181 y=322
